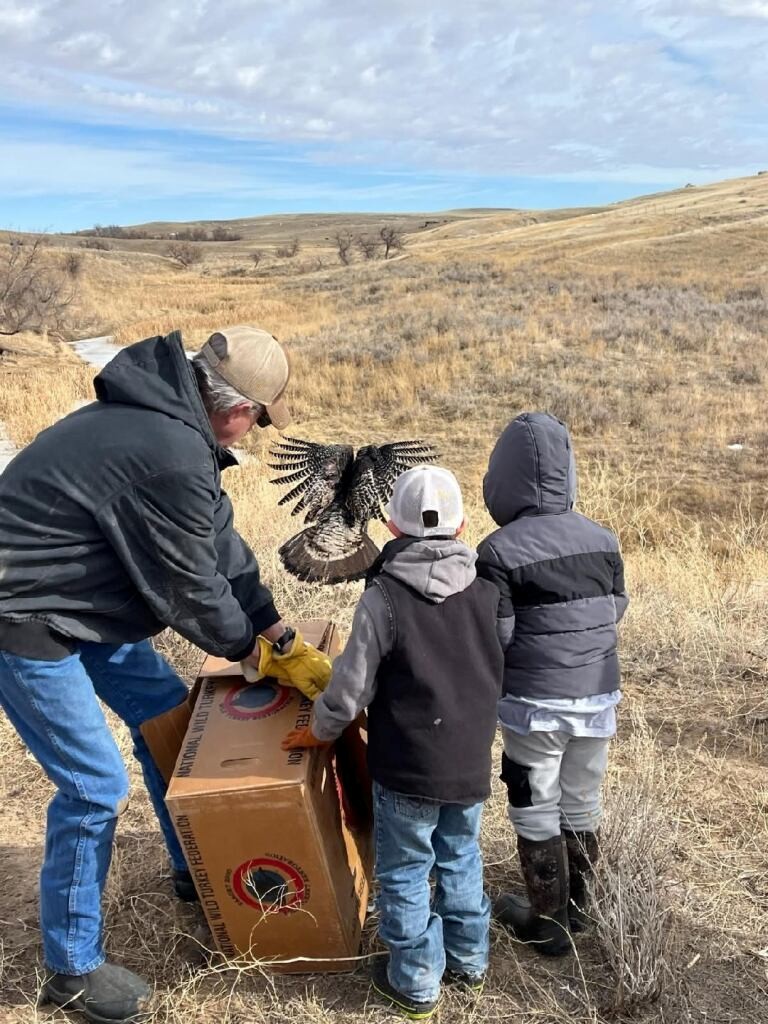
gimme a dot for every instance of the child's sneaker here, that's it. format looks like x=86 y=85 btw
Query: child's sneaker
x=410 y=1008
x=462 y=979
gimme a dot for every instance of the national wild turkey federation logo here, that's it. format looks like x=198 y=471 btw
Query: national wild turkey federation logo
x=249 y=701
x=270 y=884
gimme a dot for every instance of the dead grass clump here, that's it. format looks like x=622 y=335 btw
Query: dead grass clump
x=637 y=930
x=629 y=501
x=584 y=410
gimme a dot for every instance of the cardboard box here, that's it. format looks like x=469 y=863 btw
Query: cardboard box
x=165 y=733
x=281 y=875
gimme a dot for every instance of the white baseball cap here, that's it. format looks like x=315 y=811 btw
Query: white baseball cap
x=426 y=502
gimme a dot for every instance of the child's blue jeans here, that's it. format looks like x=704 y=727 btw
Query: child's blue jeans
x=54 y=707
x=415 y=838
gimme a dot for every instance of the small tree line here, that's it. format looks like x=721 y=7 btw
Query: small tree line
x=219 y=233
x=385 y=243
x=186 y=254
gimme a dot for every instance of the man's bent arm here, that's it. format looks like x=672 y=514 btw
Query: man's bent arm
x=162 y=530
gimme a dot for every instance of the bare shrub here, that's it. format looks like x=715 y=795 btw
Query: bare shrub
x=344 y=242
x=638 y=934
x=256 y=257
x=184 y=253
x=580 y=408
x=392 y=238
x=115 y=231
x=95 y=243
x=291 y=249
x=191 y=235
x=368 y=246
x=73 y=264
x=482 y=272
x=34 y=295
x=222 y=234
x=748 y=374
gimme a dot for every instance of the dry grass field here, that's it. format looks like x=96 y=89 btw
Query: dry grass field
x=644 y=326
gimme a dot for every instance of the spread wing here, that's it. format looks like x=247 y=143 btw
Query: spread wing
x=374 y=474
x=316 y=472
x=340 y=495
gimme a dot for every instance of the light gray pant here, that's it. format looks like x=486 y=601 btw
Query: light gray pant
x=554 y=782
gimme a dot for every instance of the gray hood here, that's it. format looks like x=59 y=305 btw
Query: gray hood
x=436 y=569
x=531 y=470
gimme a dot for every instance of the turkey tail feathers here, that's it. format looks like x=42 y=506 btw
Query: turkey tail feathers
x=303 y=559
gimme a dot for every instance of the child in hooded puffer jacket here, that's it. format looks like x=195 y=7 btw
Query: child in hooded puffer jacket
x=561 y=580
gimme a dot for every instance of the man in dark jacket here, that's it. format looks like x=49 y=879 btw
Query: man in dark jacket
x=561 y=580
x=113 y=526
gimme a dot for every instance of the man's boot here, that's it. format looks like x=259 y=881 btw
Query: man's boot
x=583 y=853
x=542 y=919
x=108 y=995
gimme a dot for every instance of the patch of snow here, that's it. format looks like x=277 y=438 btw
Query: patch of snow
x=736 y=447
x=99 y=351
x=96 y=351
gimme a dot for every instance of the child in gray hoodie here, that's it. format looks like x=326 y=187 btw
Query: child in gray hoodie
x=423 y=656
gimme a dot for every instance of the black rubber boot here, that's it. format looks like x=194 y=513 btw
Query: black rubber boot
x=542 y=919
x=108 y=995
x=583 y=853
x=184 y=887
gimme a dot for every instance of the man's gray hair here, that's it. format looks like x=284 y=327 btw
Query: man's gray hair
x=217 y=394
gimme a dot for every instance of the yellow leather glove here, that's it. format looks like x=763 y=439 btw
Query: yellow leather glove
x=302 y=666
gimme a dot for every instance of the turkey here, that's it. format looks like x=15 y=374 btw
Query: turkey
x=339 y=492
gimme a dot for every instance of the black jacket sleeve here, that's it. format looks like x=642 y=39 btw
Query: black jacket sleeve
x=237 y=563
x=489 y=567
x=162 y=529
x=619 y=588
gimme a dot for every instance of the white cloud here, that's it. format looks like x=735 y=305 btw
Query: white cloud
x=531 y=88
x=735 y=8
x=18 y=20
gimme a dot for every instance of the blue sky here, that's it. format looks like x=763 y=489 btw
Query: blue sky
x=136 y=111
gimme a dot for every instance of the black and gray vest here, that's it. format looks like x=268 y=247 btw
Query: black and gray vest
x=433 y=719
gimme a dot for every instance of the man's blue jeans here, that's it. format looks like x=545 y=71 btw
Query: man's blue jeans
x=54 y=707
x=415 y=837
